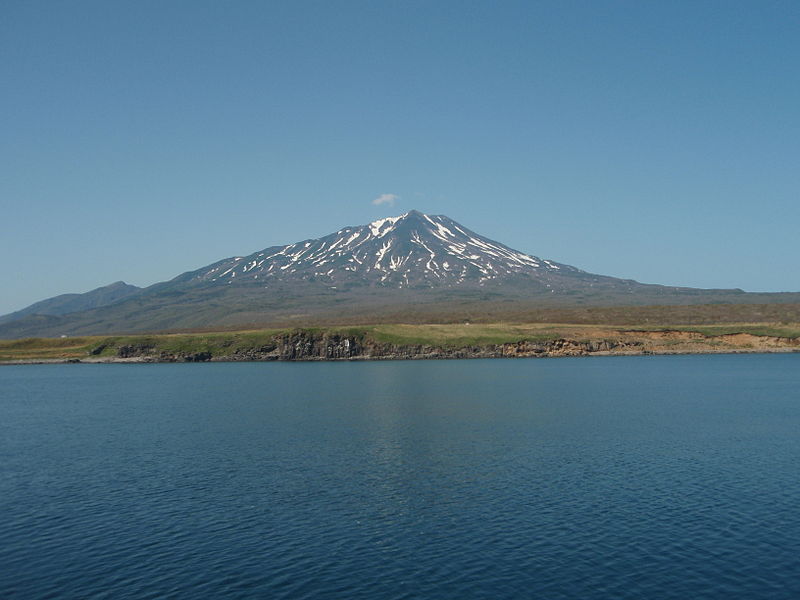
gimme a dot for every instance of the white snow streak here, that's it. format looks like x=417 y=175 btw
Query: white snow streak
x=378 y=229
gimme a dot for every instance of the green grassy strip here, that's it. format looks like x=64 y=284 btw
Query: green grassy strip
x=458 y=336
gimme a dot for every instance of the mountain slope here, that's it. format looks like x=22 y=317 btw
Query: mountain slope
x=70 y=303
x=412 y=250
x=413 y=267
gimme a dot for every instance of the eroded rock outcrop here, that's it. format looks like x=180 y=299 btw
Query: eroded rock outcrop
x=304 y=345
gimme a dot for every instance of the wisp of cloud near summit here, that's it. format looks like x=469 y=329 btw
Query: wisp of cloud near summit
x=388 y=199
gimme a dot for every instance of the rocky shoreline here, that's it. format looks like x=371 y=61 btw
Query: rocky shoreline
x=305 y=346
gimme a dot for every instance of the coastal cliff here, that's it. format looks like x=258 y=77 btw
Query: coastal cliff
x=304 y=345
x=404 y=342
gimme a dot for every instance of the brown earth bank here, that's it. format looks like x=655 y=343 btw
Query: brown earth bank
x=403 y=343
x=492 y=312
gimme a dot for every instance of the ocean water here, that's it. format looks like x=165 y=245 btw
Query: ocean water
x=627 y=477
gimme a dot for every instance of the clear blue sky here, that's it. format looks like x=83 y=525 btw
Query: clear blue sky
x=658 y=141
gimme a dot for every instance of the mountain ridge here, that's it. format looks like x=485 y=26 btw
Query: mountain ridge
x=64 y=304
x=412 y=264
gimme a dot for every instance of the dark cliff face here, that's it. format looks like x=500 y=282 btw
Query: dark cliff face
x=309 y=346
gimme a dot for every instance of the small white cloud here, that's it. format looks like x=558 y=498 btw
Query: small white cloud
x=389 y=199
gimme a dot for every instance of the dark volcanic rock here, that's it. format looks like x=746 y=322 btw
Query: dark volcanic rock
x=134 y=351
x=305 y=346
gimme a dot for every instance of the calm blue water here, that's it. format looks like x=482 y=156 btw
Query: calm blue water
x=640 y=477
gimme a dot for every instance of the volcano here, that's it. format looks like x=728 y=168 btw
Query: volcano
x=413 y=266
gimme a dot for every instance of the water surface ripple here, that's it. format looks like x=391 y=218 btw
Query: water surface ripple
x=639 y=477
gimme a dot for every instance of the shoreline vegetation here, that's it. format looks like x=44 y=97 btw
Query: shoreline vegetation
x=407 y=341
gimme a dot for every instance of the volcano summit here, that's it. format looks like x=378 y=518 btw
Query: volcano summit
x=413 y=250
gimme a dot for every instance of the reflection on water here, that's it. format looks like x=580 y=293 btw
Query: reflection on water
x=645 y=477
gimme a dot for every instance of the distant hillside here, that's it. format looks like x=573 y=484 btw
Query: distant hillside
x=71 y=303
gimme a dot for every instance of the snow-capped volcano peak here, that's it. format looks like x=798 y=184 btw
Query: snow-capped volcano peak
x=413 y=249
